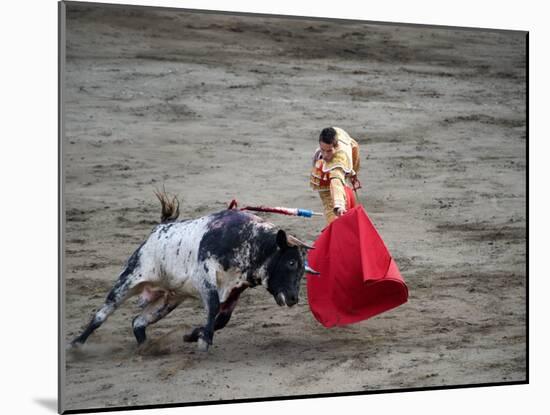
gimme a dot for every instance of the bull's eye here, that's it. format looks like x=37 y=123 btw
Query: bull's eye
x=292 y=263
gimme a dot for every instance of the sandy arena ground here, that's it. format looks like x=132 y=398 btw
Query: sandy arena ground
x=216 y=107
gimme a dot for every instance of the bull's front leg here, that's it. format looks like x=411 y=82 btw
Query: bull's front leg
x=223 y=316
x=204 y=335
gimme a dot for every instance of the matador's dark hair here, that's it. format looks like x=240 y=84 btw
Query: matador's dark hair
x=328 y=136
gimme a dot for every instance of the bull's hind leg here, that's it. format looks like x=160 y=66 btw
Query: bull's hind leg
x=118 y=294
x=114 y=299
x=151 y=315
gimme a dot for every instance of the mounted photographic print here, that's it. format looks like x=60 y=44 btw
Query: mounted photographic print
x=262 y=207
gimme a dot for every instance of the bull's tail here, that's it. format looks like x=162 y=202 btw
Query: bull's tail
x=170 y=206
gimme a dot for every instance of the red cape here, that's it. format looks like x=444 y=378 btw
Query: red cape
x=358 y=279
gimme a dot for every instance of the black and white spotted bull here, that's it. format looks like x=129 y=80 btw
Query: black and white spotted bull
x=215 y=257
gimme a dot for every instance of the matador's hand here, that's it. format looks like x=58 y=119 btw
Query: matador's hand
x=339 y=211
x=355 y=183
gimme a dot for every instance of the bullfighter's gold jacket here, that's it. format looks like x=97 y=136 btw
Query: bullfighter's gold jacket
x=330 y=177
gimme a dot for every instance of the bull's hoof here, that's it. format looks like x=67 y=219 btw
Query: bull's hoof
x=202 y=345
x=193 y=336
x=74 y=345
x=75 y=349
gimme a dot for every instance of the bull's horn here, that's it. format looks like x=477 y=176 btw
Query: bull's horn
x=310 y=270
x=292 y=241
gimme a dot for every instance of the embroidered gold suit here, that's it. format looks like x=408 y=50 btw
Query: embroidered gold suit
x=330 y=177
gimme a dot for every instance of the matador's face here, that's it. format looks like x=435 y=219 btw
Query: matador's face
x=327 y=150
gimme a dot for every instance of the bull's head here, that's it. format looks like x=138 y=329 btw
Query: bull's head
x=286 y=269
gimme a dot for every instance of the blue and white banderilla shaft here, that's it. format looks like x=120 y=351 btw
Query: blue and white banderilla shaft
x=284 y=211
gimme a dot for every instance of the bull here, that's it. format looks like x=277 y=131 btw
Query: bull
x=215 y=257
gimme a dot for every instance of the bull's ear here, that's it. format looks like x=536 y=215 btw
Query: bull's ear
x=281 y=240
